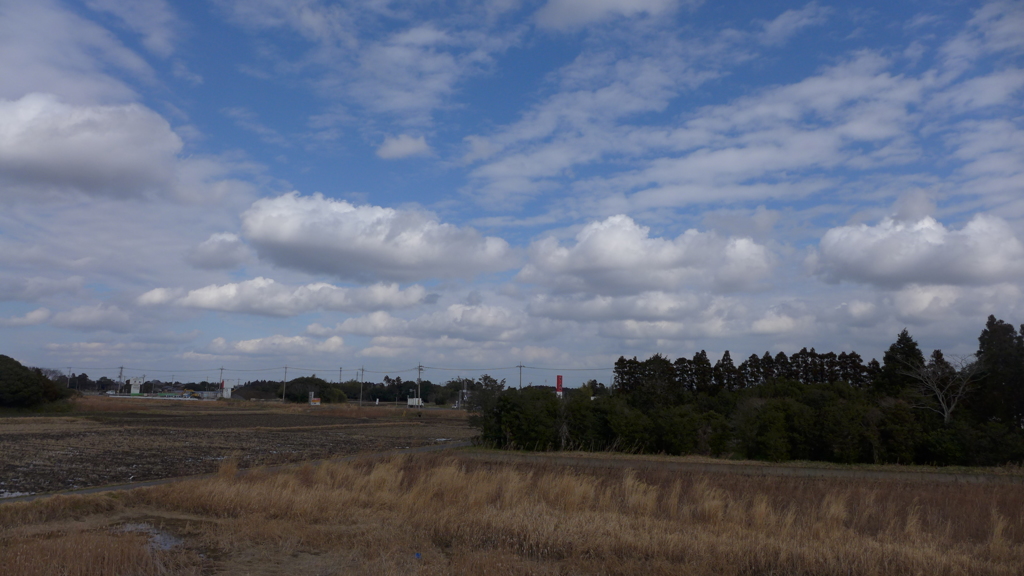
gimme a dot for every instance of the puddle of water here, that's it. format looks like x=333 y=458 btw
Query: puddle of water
x=158 y=539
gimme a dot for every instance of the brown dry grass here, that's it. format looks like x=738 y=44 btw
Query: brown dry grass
x=469 y=517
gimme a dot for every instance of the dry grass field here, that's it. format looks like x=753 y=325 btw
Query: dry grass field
x=118 y=440
x=443 y=513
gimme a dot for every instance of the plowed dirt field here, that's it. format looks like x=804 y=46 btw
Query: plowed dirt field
x=112 y=440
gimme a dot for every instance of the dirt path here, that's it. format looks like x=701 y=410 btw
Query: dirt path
x=745 y=468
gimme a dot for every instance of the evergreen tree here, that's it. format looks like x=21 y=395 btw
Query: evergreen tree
x=782 y=367
x=725 y=375
x=750 y=372
x=768 y=369
x=1000 y=396
x=703 y=373
x=903 y=356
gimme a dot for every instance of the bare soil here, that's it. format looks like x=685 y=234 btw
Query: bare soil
x=113 y=441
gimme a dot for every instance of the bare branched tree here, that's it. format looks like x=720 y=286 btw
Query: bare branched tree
x=943 y=383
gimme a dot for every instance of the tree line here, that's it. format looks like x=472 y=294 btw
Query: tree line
x=806 y=406
x=390 y=390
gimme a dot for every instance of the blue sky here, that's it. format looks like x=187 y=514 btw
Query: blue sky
x=479 y=184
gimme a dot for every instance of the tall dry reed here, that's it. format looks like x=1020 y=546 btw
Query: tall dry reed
x=468 y=516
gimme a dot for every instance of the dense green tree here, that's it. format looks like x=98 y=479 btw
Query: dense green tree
x=1000 y=394
x=903 y=356
x=725 y=375
x=22 y=387
x=521 y=419
x=817 y=406
x=703 y=374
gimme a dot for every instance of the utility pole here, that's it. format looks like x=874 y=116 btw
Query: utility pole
x=69 y=376
x=284 y=384
x=339 y=375
x=520 y=375
x=362 y=373
x=120 y=379
x=419 y=381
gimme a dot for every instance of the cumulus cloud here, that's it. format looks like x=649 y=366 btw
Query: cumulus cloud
x=265 y=296
x=403 y=146
x=780 y=322
x=646 y=306
x=37 y=316
x=617 y=256
x=120 y=151
x=563 y=14
x=94 y=317
x=895 y=253
x=367 y=243
x=220 y=251
x=278 y=344
x=722 y=316
x=471 y=323
x=158 y=296
x=916 y=303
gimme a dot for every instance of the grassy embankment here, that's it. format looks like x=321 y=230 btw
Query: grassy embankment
x=372 y=517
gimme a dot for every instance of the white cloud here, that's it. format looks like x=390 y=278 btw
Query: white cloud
x=780 y=142
x=94 y=317
x=474 y=323
x=158 y=296
x=775 y=322
x=47 y=48
x=579 y=124
x=247 y=120
x=723 y=317
x=219 y=252
x=895 y=253
x=366 y=243
x=646 y=306
x=33 y=288
x=998 y=88
x=617 y=256
x=373 y=324
x=409 y=74
x=792 y=21
x=564 y=14
x=995 y=27
x=152 y=19
x=264 y=296
x=37 y=316
x=405 y=74
x=469 y=323
x=918 y=303
x=180 y=70
x=120 y=151
x=403 y=146
x=278 y=344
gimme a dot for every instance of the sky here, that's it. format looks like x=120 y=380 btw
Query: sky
x=254 y=184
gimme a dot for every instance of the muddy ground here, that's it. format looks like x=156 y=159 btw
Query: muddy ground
x=114 y=441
